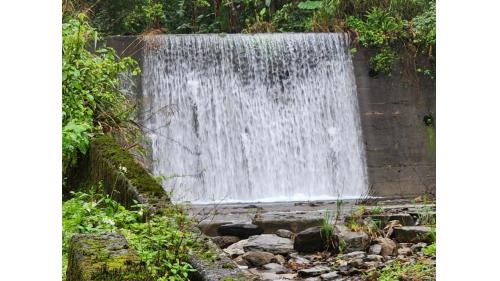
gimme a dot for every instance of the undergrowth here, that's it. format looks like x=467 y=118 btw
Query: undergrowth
x=419 y=271
x=163 y=242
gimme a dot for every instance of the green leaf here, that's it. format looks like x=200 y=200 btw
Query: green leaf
x=310 y=5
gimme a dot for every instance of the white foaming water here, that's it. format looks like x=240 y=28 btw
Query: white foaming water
x=247 y=118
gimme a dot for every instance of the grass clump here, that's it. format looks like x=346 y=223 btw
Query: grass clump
x=419 y=271
x=163 y=242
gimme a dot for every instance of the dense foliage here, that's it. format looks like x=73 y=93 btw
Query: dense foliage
x=391 y=27
x=162 y=242
x=91 y=99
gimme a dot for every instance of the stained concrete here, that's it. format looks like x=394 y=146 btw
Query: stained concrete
x=399 y=160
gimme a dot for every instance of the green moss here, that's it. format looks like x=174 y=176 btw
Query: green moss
x=136 y=174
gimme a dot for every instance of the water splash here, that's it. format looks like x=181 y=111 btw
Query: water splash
x=245 y=118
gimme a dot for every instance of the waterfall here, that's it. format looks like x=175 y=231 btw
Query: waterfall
x=253 y=118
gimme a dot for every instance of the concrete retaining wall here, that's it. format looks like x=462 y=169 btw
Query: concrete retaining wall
x=400 y=160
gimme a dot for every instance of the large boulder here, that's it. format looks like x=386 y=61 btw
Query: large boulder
x=241 y=230
x=353 y=241
x=258 y=258
x=310 y=240
x=271 y=243
x=412 y=234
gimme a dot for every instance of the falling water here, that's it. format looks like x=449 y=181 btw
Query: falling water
x=244 y=118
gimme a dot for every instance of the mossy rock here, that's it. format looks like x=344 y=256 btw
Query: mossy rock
x=135 y=173
x=103 y=257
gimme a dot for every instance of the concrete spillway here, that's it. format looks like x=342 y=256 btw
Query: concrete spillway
x=246 y=118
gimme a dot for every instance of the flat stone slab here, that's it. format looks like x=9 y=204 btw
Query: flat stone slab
x=271 y=243
x=241 y=230
x=313 y=271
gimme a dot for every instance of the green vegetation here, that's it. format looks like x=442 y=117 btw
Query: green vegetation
x=398 y=30
x=135 y=173
x=431 y=249
x=91 y=100
x=327 y=225
x=163 y=243
x=419 y=271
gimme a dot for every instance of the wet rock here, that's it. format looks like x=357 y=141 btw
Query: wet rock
x=225 y=241
x=405 y=252
x=236 y=249
x=375 y=249
x=271 y=243
x=313 y=271
x=275 y=268
x=279 y=259
x=412 y=234
x=284 y=233
x=241 y=230
x=309 y=240
x=330 y=276
x=257 y=258
x=355 y=241
x=388 y=246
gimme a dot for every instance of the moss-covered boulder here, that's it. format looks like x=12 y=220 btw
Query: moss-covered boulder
x=103 y=257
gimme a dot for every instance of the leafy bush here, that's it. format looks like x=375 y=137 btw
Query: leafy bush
x=145 y=16
x=91 y=99
x=292 y=19
x=163 y=242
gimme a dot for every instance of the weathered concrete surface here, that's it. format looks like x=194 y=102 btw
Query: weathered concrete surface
x=399 y=159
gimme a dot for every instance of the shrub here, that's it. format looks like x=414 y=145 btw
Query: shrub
x=91 y=99
x=163 y=243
